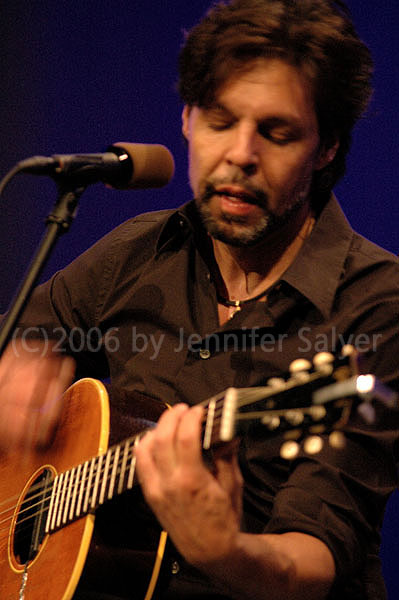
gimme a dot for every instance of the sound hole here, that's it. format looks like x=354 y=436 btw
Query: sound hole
x=31 y=520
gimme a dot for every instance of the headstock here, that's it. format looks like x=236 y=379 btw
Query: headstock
x=315 y=398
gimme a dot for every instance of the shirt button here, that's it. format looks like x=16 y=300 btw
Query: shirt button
x=205 y=353
x=175 y=568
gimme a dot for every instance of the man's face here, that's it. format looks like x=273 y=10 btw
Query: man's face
x=252 y=153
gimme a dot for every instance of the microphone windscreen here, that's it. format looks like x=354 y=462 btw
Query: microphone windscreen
x=153 y=165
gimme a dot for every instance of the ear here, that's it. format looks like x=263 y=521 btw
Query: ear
x=326 y=155
x=185 y=118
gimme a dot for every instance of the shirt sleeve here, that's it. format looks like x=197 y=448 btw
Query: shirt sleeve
x=339 y=495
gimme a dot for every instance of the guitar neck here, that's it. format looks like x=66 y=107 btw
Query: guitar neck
x=79 y=491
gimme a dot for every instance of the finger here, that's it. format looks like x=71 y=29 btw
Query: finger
x=16 y=390
x=52 y=404
x=32 y=380
x=229 y=476
x=228 y=472
x=188 y=444
x=146 y=469
x=160 y=442
x=52 y=374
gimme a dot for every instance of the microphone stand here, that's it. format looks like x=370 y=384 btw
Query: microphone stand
x=58 y=222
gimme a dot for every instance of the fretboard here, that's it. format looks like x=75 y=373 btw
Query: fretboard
x=81 y=490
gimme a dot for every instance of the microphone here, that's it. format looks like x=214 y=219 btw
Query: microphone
x=123 y=166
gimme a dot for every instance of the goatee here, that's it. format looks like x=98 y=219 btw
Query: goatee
x=221 y=227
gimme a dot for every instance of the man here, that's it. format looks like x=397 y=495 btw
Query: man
x=260 y=269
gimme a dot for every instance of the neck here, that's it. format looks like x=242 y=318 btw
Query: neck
x=245 y=271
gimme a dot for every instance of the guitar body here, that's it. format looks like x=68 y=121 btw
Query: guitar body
x=57 y=565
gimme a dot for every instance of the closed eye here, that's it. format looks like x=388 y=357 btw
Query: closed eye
x=220 y=126
x=280 y=140
x=218 y=118
x=280 y=134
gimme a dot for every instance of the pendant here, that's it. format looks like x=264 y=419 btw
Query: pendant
x=237 y=308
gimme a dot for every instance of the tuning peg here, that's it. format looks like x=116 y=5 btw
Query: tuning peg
x=323 y=362
x=299 y=364
x=300 y=368
x=276 y=383
x=313 y=444
x=289 y=450
x=317 y=413
x=336 y=439
x=271 y=422
x=294 y=417
x=348 y=350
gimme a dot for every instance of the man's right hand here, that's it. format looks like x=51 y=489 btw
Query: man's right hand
x=32 y=379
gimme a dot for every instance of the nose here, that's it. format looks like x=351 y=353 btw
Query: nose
x=242 y=151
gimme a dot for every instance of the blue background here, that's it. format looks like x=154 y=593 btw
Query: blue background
x=78 y=75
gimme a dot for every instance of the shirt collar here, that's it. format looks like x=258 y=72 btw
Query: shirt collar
x=318 y=267
x=180 y=223
x=320 y=263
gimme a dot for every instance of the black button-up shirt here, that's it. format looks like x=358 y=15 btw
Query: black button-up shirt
x=140 y=306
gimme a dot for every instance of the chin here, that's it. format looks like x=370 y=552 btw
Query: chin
x=234 y=232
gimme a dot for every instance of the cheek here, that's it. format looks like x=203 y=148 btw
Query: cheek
x=290 y=170
x=288 y=180
x=201 y=166
x=193 y=170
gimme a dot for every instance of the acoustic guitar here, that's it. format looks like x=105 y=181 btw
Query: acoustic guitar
x=48 y=496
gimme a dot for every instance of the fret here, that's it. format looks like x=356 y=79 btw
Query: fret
x=88 y=486
x=59 y=516
x=68 y=495
x=132 y=465
x=123 y=466
x=56 y=499
x=81 y=488
x=75 y=492
x=52 y=499
x=58 y=504
x=209 y=424
x=228 y=415
x=105 y=476
x=113 y=472
x=96 y=481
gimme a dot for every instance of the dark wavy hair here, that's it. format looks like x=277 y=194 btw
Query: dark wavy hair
x=316 y=36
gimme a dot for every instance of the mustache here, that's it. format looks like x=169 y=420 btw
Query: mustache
x=254 y=194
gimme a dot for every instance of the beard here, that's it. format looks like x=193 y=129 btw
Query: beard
x=234 y=229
